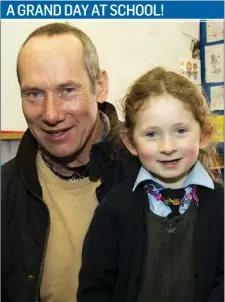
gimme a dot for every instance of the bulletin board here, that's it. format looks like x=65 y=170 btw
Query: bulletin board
x=212 y=74
x=212 y=67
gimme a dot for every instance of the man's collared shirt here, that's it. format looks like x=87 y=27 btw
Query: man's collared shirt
x=197 y=176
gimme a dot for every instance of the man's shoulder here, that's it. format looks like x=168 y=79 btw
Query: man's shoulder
x=8 y=170
x=10 y=181
x=105 y=163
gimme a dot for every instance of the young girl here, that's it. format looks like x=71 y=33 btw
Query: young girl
x=158 y=236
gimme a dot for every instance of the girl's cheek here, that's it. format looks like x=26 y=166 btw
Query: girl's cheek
x=146 y=153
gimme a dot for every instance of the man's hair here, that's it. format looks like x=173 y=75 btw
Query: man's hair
x=91 y=61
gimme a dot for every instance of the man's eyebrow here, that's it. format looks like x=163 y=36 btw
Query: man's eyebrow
x=27 y=88
x=68 y=83
x=59 y=86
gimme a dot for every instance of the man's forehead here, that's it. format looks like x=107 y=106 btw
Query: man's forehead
x=62 y=43
x=51 y=61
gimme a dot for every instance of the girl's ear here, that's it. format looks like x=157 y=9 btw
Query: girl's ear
x=125 y=139
x=206 y=138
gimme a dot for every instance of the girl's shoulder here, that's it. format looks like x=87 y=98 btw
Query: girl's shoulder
x=122 y=200
x=208 y=193
x=219 y=191
x=122 y=192
x=219 y=187
x=212 y=200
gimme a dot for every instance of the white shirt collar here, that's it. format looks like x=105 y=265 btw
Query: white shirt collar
x=197 y=176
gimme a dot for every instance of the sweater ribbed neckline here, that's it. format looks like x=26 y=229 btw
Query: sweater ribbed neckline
x=49 y=176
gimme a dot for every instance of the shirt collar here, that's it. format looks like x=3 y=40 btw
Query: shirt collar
x=197 y=176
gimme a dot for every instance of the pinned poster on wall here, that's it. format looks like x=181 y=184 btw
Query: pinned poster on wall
x=217 y=98
x=190 y=68
x=212 y=76
x=214 y=31
x=214 y=63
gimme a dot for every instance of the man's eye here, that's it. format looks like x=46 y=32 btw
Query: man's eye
x=33 y=96
x=181 y=131
x=68 y=93
x=69 y=90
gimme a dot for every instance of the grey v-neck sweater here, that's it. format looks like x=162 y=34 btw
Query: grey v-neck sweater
x=169 y=270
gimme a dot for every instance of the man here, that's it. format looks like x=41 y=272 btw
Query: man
x=64 y=166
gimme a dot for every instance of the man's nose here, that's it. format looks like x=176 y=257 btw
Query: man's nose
x=168 y=145
x=52 y=112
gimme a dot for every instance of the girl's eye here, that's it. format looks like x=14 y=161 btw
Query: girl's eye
x=181 y=131
x=152 y=134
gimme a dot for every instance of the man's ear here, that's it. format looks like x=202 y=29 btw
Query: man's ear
x=205 y=140
x=102 y=86
x=129 y=145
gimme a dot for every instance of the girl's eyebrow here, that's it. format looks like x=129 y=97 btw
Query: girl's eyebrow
x=157 y=128
x=151 y=128
x=181 y=124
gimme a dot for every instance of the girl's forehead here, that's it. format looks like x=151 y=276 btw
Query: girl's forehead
x=163 y=109
x=163 y=101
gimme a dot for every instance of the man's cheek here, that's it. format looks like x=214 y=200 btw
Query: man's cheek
x=71 y=107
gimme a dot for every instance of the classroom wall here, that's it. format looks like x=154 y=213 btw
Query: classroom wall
x=126 y=50
x=8 y=150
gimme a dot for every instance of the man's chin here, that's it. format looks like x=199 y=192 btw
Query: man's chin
x=61 y=153
x=66 y=153
x=66 y=156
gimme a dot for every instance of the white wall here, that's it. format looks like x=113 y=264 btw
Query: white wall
x=126 y=50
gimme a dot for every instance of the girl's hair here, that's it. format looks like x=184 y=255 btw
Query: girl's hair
x=158 y=82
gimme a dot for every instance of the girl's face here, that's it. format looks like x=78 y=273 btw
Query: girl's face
x=167 y=139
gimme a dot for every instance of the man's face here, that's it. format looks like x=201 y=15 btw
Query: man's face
x=57 y=99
